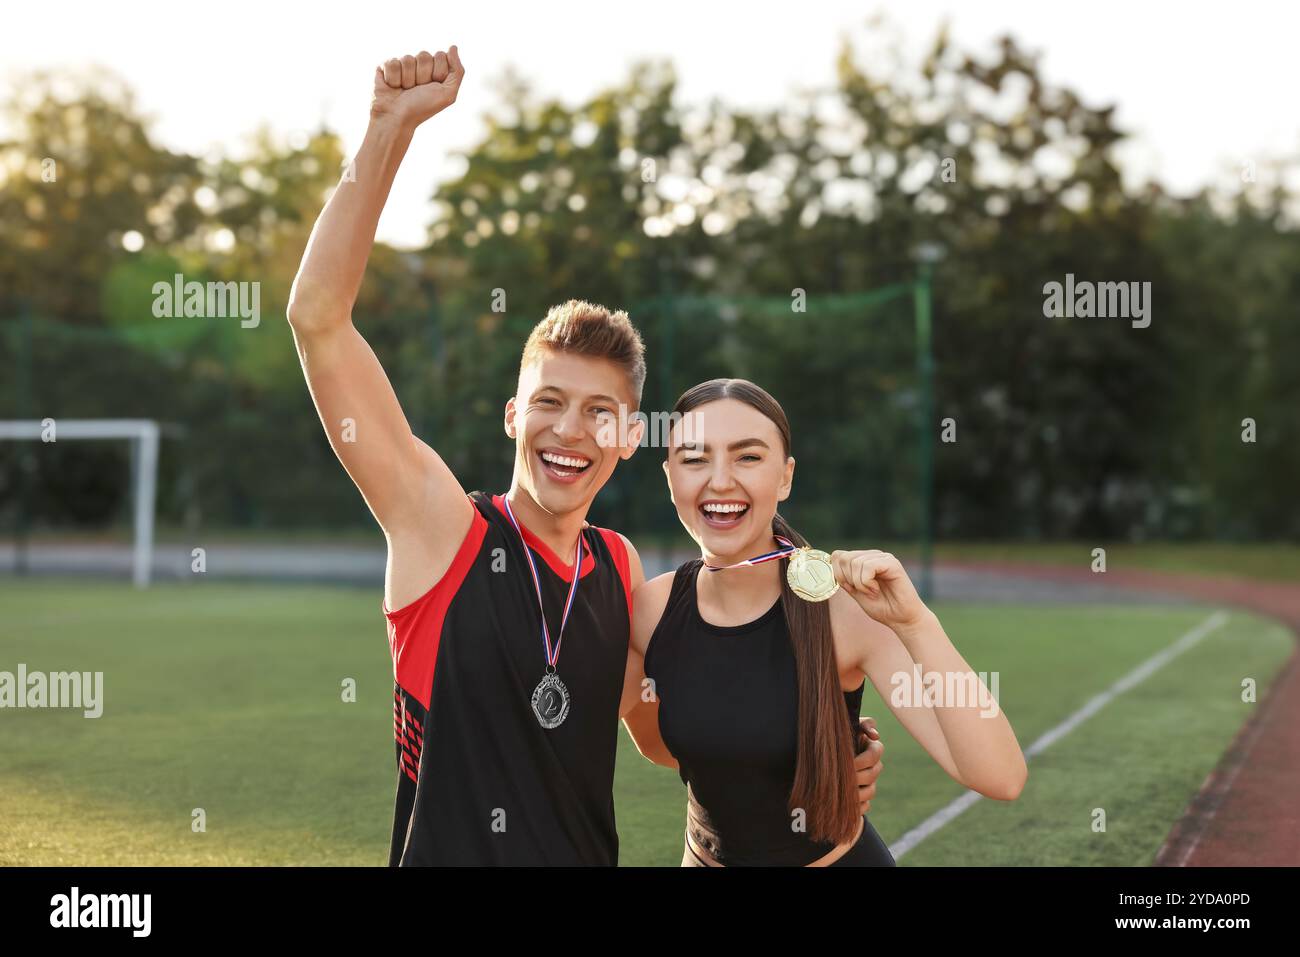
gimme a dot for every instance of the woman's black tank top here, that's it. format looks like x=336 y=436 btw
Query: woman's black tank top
x=729 y=713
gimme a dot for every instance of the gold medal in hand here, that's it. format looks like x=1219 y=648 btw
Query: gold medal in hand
x=810 y=574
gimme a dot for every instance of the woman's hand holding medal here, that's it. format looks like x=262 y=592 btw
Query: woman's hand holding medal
x=879 y=584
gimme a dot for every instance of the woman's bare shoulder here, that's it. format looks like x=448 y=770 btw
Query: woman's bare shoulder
x=648 y=604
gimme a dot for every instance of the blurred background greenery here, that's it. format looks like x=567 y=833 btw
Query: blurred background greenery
x=700 y=220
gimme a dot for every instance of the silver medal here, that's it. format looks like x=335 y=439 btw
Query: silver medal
x=550 y=698
x=550 y=701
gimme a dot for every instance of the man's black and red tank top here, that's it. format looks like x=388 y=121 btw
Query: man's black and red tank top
x=480 y=781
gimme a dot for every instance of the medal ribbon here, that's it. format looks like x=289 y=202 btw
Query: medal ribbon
x=787 y=547
x=552 y=656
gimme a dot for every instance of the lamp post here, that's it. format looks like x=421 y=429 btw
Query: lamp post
x=927 y=255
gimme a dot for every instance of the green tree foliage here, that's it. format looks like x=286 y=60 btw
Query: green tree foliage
x=703 y=221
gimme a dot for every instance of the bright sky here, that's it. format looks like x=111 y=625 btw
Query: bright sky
x=1204 y=86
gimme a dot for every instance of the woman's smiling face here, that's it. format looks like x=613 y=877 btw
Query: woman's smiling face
x=727 y=469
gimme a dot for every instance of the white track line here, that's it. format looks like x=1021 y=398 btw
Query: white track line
x=1139 y=674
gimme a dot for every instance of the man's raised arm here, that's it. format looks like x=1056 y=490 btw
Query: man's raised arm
x=409 y=489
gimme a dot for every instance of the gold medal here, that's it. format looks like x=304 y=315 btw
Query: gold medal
x=810 y=575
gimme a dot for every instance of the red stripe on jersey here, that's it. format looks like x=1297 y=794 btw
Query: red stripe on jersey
x=558 y=565
x=617 y=548
x=415 y=630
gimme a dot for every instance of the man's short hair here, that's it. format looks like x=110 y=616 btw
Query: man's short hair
x=584 y=328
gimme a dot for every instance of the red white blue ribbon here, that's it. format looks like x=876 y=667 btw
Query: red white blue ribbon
x=552 y=655
x=786 y=548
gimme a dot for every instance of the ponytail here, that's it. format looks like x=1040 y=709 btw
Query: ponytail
x=825 y=785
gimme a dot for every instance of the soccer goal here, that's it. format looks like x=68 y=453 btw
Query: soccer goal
x=143 y=436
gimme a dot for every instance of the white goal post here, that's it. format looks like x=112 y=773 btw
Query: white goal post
x=143 y=435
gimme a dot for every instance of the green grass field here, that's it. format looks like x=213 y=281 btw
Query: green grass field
x=227 y=698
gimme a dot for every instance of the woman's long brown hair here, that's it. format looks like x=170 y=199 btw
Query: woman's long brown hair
x=824 y=781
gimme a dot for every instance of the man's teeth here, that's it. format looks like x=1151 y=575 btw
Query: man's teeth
x=724 y=508
x=565 y=460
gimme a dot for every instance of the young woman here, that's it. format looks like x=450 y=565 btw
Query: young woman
x=758 y=689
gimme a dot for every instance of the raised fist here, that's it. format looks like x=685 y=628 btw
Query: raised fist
x=414 y=88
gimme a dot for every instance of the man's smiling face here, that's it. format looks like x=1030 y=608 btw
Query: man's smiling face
x=565 y=410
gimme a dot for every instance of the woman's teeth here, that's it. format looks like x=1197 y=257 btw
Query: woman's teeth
x=723 y=514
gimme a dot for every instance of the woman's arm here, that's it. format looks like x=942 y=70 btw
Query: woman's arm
x=640 y=705
x=902 y=648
